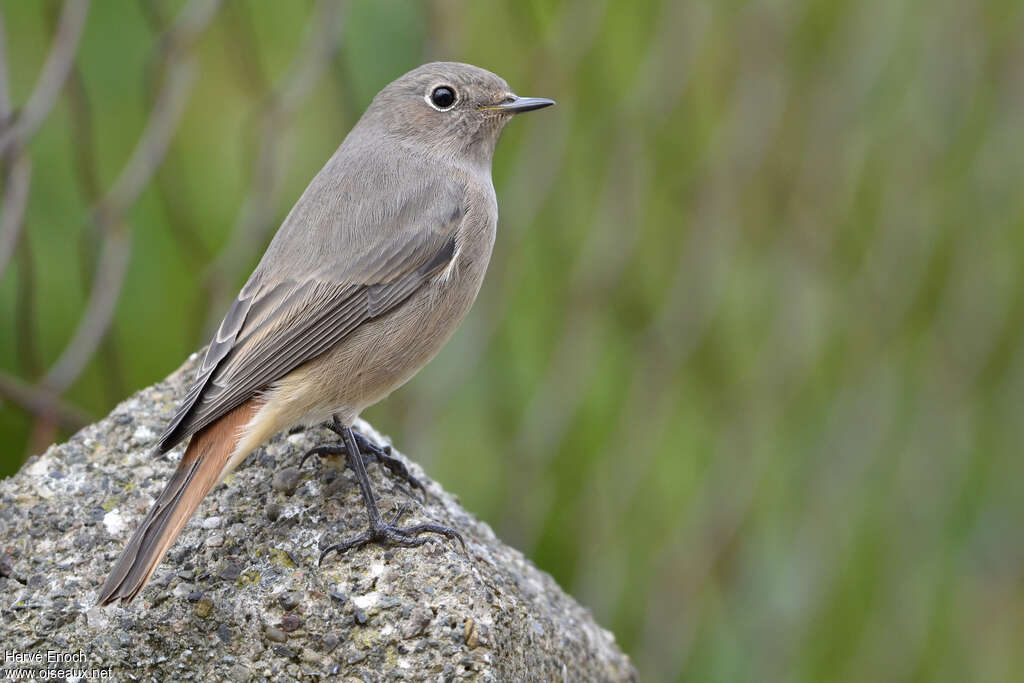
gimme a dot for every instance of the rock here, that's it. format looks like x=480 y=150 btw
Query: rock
x=287 y=480
x=261 y=608
x=182 y=590
x=203 y=608
x=212 y=523
x=276 y=634
x=238 y=673
x=289 y=623
x=230 y=571
x=290 y=600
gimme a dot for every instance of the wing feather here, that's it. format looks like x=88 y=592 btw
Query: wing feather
x=272 y=328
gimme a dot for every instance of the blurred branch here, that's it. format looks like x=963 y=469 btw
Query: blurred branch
x=170 y=179
x=115 y=232
x=246 y=54
x=5 y=87
x=16 y=185
x=51 y=80
x=168 y=107
x=249 y=235
x=87 y=172
x=42 y=403
x=12 y=217
x=17 y=175
x=99 y=311
x=25 y=312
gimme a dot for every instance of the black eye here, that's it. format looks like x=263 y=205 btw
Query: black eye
x=443 y=97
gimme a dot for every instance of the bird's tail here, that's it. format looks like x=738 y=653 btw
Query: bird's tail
x=208 y=454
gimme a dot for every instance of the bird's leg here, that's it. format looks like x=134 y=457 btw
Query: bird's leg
x=385 y=533
x=369 y=451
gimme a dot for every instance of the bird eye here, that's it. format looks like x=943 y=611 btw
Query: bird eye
x=443 y=97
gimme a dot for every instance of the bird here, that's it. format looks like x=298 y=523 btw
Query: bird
x=365 y=280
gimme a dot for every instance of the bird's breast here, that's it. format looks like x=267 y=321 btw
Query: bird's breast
x=385 y=352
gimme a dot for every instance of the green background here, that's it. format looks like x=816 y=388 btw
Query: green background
x=745 y=375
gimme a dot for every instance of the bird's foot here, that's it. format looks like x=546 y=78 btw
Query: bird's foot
x=390 y=534
x=370 y=452
x=381 y=532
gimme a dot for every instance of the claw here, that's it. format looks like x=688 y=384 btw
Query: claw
x=390 y=534
x=385 y=533
x=319 y=451
x=401 y=513
x=382 y=454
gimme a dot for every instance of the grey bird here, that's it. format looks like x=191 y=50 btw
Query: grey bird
x=364 y=282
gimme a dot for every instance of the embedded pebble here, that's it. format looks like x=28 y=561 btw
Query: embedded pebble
x=203 y=608
x=182 y=589
x=273 y=511
x=276 y=634
x=289 y=600
x=239 y=674
x=230 y=571
x=114 y=522
x=143 y=434
x=287 y=480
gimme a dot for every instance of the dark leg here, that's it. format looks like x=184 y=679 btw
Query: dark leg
x=385 y=533
x=369 y=450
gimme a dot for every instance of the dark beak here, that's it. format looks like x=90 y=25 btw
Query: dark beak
x=517 y=105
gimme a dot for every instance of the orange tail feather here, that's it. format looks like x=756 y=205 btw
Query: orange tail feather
x=200 y=469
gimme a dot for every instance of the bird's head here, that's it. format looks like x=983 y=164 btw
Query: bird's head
x=448 y=108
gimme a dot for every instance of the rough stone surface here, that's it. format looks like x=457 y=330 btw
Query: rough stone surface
x=252 y=605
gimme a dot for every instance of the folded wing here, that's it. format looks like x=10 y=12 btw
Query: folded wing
x=286 y=316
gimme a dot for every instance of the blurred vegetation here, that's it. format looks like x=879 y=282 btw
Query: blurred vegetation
x=746 y=371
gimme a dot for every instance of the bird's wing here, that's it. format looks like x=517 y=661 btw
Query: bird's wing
x=290 y=313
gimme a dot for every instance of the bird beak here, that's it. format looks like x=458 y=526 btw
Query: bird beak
x=516 y=105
